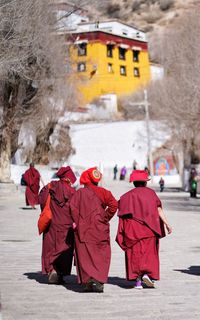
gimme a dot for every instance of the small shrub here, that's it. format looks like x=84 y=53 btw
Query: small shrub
x=112 y=9
x=152 y=16
x=136 y=5
x=148 y=28
x=166 y=4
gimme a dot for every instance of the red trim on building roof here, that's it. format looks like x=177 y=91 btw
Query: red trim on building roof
x=105 y=37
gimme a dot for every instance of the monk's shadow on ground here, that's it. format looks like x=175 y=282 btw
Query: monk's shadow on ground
x=27 y=208
x=125 y=284
x=70 y=281
x=37 y=276
x=120 y=282
x=193 y=270
x=72 y=285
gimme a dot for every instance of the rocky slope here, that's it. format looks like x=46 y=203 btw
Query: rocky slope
x=145 y=14
x=152 y=16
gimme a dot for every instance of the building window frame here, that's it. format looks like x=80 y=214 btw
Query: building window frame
x=81 y=66
x=136 y=72
x=82 y=49
x=136 y=54
x=122 y=70
x=110 y=68
x=122 y=53
x=125 y=32
x=110 y=48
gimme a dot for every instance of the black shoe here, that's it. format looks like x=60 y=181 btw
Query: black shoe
x=97 y=286
x=60 y=279
x=89 y=286
x=94 y=286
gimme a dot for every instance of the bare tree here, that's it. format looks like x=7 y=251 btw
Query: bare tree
x=32 y=74
x=176 y=98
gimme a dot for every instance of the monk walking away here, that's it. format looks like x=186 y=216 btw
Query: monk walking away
x=32 y=179
x=58 y=238
x=92 y=207
x=141 y=225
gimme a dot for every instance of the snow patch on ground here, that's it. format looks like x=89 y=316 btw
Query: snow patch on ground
x=107 y=144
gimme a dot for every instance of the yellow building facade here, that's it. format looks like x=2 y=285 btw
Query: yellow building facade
x=106 y=62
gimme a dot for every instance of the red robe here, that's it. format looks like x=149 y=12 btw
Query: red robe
x=32 y=179
x=139 y=230
x=92 y=208
x=58 y=240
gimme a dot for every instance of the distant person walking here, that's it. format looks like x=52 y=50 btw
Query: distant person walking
x=147 y=170
x=115 y=170
x=135 y=165
x=193 y=183
x=32 y=179
x=162 y=184
x=58 y=238
x=123 y=173
x=92 y=208
x=141 y=225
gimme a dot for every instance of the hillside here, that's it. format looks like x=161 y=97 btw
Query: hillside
x=145 y=14
x=152 y=16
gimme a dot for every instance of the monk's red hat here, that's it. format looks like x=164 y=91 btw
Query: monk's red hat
x=91 y=175
x=66 y=172
x=139 y=175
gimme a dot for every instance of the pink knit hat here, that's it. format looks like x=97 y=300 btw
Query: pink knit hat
x=139 y=175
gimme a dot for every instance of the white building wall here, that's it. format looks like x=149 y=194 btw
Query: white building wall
x=114 y=27
x=157 y=72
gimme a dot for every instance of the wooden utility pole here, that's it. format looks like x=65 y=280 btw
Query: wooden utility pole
x=150 y=157
x=146 y=105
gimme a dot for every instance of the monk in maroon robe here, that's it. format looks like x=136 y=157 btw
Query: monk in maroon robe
x=58 y=239
x=32 y=179
x=141 y=225
x=92 y=207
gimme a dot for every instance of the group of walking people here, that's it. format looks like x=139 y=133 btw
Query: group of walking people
x=79 y=228
x=123 y=172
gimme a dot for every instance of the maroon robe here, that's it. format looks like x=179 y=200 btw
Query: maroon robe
x=139 y=230
x=92 y=208
x=32 y=179
x=58 y=240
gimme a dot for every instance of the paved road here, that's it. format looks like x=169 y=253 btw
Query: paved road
x=25 y=294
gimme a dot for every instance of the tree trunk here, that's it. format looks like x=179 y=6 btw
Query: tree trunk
x=5 y=156
x=9 y=130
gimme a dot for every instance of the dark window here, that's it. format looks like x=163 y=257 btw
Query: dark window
x=123 y=70
x=124 y=32
x=109 y=50
x=122 y=53
x=81 y=67
x=136 y=72
x=82 y=49
x=136 y=55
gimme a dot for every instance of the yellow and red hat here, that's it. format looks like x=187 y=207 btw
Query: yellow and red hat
x=92 y=175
